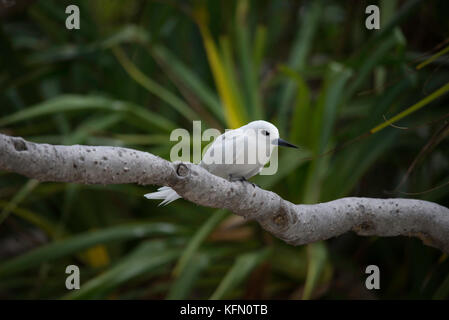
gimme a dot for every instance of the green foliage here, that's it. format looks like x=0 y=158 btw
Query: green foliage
x=243 y=265
x=136 y=71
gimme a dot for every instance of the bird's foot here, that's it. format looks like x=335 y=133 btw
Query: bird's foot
x=241 y=179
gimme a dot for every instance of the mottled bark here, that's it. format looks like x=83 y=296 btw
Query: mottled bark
x=295 y=224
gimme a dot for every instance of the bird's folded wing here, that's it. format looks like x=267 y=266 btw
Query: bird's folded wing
x=231 y=146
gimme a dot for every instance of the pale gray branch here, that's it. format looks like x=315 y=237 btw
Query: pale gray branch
x=295 y=224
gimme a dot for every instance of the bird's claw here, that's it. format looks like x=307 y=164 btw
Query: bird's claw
x=241 y=179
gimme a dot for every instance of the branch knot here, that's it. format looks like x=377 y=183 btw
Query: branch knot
x=19 y=144
x=182 y=170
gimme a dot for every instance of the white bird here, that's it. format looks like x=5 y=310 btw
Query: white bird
x=236 y=155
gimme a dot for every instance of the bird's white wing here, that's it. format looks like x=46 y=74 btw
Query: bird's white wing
x=229 y=143
x=226 y=155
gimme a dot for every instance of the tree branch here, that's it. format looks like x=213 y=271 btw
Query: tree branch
x=295 y=224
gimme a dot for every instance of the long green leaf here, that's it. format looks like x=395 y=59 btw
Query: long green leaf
x=153 y=87
x=197 y=240
x=422 y=103
x=316 y=260
x=243 y=265
x=81 y=241
x=188 y=277
x=249 y=71
x=72 y=103
x=298 y=55
x=191 y=80
x=144 y=259
x=18 y=198
x=224 y=83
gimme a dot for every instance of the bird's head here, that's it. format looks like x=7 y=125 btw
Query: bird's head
x=266 y=131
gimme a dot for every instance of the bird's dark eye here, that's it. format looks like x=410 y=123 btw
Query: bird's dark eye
x=265 y=132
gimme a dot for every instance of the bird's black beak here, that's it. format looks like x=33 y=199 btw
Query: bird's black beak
x=283 y=143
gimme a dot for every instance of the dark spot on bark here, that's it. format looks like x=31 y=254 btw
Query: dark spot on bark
x=75 y=166
x=366 y=226
x=82 y=158
x=95 y=162
x=19 y=145
x=397 y=211
x=182 y=170
x=88 y=150
x=362 y=208
x=104 y=158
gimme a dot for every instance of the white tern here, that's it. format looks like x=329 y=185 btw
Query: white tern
x=236 y=155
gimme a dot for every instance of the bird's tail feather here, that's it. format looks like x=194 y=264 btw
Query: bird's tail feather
x=164 y=193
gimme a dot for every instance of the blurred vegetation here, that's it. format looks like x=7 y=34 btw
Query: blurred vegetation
x=138 y=69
